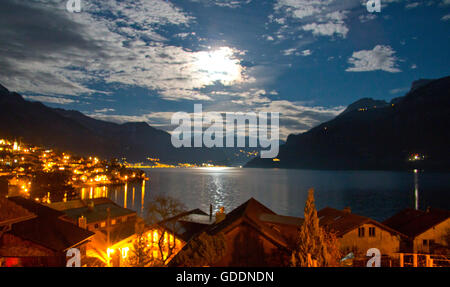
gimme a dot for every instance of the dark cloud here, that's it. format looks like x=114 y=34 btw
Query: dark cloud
x=35 y=32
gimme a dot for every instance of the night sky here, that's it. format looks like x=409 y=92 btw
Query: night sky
x=142 y=60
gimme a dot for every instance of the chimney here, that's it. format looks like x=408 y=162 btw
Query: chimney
x=347 y=210
x=221 y=215
x=82 y=222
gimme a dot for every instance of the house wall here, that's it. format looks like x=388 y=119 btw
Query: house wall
x=248 y=248
x=28 y=254
x=101 y=225
x=387 y=243
x=436 y=233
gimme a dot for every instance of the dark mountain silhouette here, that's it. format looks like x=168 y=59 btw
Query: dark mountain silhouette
x=72 y=131
x=366 y=103
x=376 y=135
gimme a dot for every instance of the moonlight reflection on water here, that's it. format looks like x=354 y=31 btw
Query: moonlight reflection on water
x=376 y=194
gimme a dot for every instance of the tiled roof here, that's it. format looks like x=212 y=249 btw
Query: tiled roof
x=11 y=212
x=342 y=222
x=184 y=226
x=281 y=219
x=413 y=222
x=54 y=234
x=99 y=212
x=36 y=208
x=250 y=213
x=61 y=206
x=47 y=229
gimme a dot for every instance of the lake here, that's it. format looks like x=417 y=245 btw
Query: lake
x=376 y=194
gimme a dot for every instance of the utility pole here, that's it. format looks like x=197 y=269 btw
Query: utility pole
x=108 y=227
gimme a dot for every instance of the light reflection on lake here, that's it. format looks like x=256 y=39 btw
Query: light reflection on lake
x=377 y=194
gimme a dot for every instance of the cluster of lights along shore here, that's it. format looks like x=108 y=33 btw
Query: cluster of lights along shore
x=19 y=163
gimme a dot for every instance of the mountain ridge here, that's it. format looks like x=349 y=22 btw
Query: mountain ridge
x=377 y=138
x=73 y=131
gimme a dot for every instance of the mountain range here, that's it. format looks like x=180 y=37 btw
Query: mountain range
x=369 y=134
x=35 y=123
x=373 y=134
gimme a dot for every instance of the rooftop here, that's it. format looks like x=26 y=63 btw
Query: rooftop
x=413 y=222
x=99 y=212
x=198 y=218
x=36 y=208
x=261 y=218
x=73 y=204
x=46 y=228
x=11 y=212
x=341 y=222
x=55 y=234
x=187 y=224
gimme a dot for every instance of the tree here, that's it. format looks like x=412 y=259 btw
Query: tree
x=314 y=243
x=202 y=251
x=140 y=253
x=160 y=214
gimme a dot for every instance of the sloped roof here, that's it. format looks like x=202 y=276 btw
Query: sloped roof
x=36 y=208
x=78 y=203
x=413 y=222
x=99 y=213
x=250 y=213
x=342 y=222
x=47 y=229
x=12 y=213
x=251 y=209
x=281 y=219
x=54 y=234
x=184 y=226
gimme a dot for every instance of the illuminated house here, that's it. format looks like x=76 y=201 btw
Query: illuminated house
x=40 y=238
x=171 y=235
x=110 y=222
x=426 y=230
x=358 y=234
x=96 y=212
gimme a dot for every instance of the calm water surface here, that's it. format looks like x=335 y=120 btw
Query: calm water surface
x=377 y=194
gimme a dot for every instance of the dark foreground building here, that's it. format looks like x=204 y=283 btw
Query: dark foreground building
x=39 y=237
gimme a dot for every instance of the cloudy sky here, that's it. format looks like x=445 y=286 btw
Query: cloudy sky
x=143 y=60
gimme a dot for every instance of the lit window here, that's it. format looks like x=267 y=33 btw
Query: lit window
x=361 y=232
x=103 y=224
x=113 y=222
x=155 y=236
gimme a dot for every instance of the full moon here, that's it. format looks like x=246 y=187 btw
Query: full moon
x=218 y=65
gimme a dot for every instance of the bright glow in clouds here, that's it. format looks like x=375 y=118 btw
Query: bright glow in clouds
x=218 y=65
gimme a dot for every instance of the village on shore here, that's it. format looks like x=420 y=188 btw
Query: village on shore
x=38 y=228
